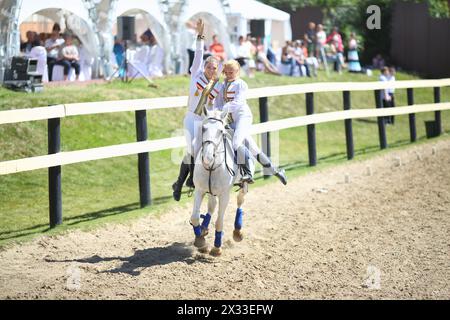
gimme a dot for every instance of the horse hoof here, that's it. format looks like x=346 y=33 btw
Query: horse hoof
x=215 y=251
x=203 y=249
x=238 y=235
x=200 y=242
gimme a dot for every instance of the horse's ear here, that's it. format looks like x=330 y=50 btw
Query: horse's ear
x=206 y=112
x=224 y=113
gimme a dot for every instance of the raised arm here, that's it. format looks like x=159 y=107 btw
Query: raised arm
x=198 y=57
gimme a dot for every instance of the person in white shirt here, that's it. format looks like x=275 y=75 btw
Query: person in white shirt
x=321 y=38
x=388 y=74
x=156 y=58
x=69 y=57
x=232 y=97
x=53 y=45
x=203 y=74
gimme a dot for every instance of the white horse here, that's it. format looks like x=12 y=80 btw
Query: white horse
x=215 y=173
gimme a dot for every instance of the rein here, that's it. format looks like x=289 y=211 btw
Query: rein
x=216 y=147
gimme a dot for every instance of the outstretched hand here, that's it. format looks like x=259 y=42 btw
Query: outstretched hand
x=200 y=27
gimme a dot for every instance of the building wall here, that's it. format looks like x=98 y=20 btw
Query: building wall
x=420 y=43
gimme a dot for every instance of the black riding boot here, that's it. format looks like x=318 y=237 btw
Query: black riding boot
x=266 y=163
x=178 y=185
x=243 y=161
x=190 y=180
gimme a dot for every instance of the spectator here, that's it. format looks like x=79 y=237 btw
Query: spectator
x=156 y=58
x=300 y=58
x=69 y=57
x=336 y=38
x=119 y=54
x=243 y=53
x=217 y=49
x=388 y=94
x=287 y=60
x=32 y=41
x=378 y=62
x=352 y=55
x=337 y=49
x=321 y=38
x=53 y=46
x=310 y=38
x=271 y=56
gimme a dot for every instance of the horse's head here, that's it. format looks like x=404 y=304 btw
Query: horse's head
x=213 y=128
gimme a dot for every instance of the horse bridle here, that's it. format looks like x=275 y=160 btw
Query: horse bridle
x=216 y=146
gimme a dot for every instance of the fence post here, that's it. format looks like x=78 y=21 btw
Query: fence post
x=54 y=173
x=412 y=116
x=348 y=127
x=265 y=137
x=437 y=114
x=381 y=120
x=312 y=152
x=143 y=159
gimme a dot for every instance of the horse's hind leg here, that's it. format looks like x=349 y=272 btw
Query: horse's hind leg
x=212 y=202
x=237 y=233
x=195 y=220
x=223 y=203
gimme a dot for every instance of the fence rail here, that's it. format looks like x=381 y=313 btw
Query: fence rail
x=74 y=109
x=55 y=159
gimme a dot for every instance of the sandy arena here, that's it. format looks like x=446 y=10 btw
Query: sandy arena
x=376 y=229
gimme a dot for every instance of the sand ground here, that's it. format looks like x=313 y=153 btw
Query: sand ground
x=373 y=229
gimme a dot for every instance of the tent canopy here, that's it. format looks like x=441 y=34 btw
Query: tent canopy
x=32 y=6
x=255 y=10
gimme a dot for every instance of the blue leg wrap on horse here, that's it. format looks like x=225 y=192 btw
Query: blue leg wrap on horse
x=206 y=220
x=197 y=230
x=238 y=219
x=218 y=239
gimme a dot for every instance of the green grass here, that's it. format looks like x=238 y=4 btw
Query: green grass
x=105 y=191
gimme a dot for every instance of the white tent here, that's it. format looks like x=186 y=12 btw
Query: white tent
x=73 y=15
x=153 y=17
x=277 y=25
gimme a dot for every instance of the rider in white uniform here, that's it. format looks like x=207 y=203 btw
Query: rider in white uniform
x=201 y=73
x=232 y=96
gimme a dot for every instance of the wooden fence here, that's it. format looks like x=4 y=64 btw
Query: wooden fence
x=53 y=114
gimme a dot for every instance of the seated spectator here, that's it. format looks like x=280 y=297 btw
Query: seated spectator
x=300 y=58
x=140 y=64
x=156 y=66
x=378 y=62
x=217 y=49
x=69 y=57
x=287 y=60
x=53 y=45
x=32 y=41
x=271 y=56
x=243 y=53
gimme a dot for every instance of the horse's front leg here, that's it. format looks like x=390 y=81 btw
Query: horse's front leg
x=237 y=233
x=195 y=219
x=223 y=203
x=212 y=202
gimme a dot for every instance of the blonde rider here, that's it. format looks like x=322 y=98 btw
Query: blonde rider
x=232 y=97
